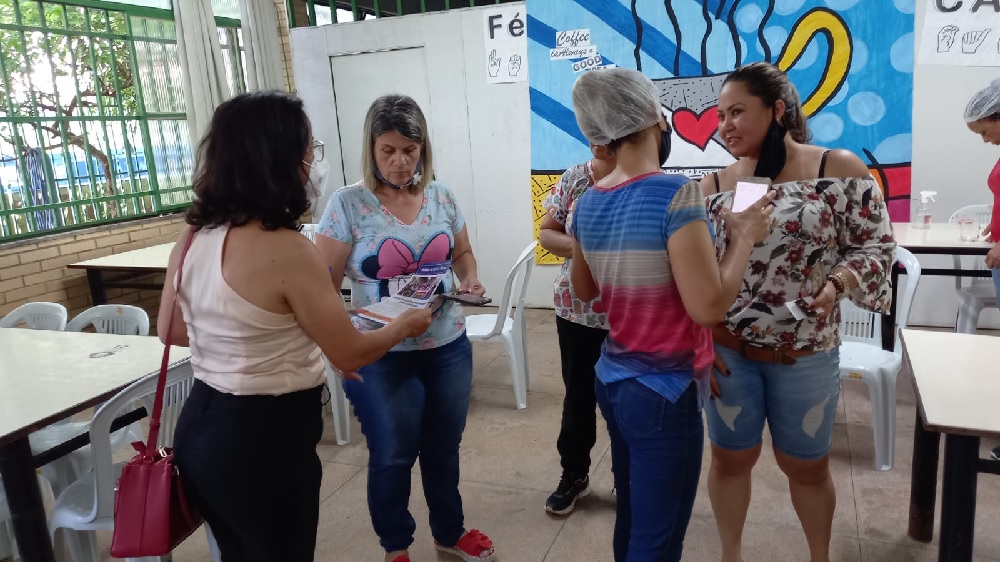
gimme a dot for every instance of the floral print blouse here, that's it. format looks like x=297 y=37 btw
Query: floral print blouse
x=560 y=203
x=817 y=223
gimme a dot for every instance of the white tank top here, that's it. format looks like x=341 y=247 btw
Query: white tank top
x=236 y=346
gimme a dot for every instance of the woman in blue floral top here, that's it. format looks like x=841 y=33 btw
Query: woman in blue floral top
x=832 y=239
x=413 y=402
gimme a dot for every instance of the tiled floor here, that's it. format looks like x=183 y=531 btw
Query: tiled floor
x=510 y=465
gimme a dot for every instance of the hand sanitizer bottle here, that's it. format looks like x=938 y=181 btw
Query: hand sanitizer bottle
x=922 y=217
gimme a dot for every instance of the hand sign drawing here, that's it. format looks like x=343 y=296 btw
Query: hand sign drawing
x=972 y=40
x=494 y=67
x=514 y=66
x=946 y=38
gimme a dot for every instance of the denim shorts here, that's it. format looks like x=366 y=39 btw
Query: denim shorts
x=799 y=403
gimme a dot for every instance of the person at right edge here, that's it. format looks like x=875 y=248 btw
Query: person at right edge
x=982 y=115
x=832 y=239
x=643 y=243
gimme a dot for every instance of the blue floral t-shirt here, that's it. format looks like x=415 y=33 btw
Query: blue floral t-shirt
x=383 y=248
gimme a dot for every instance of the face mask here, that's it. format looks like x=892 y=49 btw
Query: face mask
x=772 y=152
x=413 y=179
x=317 y=177
x=664 y=146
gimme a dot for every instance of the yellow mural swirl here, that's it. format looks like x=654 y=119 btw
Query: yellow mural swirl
x=827 y=22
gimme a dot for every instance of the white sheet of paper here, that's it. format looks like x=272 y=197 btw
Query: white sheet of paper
x=747 y=194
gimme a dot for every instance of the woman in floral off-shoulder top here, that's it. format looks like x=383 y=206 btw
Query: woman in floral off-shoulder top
x=831 y=240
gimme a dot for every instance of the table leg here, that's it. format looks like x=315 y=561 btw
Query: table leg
x=958 y=497
x=25 y=500
x=95 y=279
x=923 y=482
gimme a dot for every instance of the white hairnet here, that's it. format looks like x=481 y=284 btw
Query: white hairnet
x=985 y=103
x=614 y=103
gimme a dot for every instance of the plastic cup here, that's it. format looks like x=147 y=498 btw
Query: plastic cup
x=968 y=230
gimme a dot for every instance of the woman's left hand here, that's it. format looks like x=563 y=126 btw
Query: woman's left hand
x=824 y=301
x=472 y=287
x=993 y=257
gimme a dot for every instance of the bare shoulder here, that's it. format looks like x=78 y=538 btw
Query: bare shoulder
x=717 y=181
x=842 y=163
x=292 y=248
x=175 y=252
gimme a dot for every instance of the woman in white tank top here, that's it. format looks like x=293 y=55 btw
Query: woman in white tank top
x=258 y=309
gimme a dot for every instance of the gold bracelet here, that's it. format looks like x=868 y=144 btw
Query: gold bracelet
x=844 y=288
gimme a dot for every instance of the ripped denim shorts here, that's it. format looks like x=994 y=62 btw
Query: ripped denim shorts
x=799 y=403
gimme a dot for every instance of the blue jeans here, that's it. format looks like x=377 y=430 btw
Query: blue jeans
x=996 y=280
x=656 y=451
x=414 y=404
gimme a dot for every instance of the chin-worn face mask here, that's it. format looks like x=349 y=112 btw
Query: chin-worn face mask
x=415 y=178
x=317 y=177
x=772 y=152
x=664 y=146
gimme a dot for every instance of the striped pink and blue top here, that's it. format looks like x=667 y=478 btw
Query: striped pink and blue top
x=623 y=231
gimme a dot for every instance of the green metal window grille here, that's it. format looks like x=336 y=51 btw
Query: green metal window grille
x=92 y=117
x=362 y=9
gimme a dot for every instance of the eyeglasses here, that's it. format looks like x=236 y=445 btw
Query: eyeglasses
x=318 y=150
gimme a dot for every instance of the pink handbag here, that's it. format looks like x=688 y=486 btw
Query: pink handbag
x=152 y=514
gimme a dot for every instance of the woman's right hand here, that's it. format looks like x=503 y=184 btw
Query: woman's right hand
x=718 y=366
x=414 y=321
x=753 y=223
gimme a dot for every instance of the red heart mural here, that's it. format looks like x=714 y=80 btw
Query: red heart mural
x=696 y=129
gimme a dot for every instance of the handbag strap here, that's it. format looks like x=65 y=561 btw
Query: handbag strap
x=161 y=383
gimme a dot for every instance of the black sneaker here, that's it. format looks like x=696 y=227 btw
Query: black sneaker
x=564 y=498
x=995 y=453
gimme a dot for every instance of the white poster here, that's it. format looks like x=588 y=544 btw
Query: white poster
x=961 y=33
x=506 y=40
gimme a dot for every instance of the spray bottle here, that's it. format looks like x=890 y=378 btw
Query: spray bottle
x=922 y=217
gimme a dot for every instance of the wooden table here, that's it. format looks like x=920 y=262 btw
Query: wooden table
x=128 y=266
x=940 y=239
x=957 y=390
x=134 y=264
x=46 y=376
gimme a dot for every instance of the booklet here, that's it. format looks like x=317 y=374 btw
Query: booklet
x=414 y=291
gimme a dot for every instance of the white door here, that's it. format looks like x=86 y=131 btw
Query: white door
x=360 y=78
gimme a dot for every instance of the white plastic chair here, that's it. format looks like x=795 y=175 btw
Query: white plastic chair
x=509 y=329
x=37 y=316
x=309 y=231
x=976 y=294
x=862 y=357
x=87 y=505
x=121 y=319
x=107 y=319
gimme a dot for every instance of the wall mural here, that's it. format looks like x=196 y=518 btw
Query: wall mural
x=851 y=61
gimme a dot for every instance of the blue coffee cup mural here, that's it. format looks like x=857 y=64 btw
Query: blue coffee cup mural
x=851 y=61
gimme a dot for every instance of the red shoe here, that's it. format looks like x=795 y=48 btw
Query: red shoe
x=472 y=547
x=402 y=558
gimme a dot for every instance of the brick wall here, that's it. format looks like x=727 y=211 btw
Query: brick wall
x=35 y=270
x=286 y=45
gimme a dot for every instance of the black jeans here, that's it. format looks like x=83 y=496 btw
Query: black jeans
x=579 y=349
x=250 y=464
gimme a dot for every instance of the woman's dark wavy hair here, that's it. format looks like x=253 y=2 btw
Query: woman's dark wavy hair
x=249 y=164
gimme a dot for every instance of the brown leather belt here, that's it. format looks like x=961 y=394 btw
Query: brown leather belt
x=757 y=352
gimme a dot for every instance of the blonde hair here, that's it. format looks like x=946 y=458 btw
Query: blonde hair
x=401 y=114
